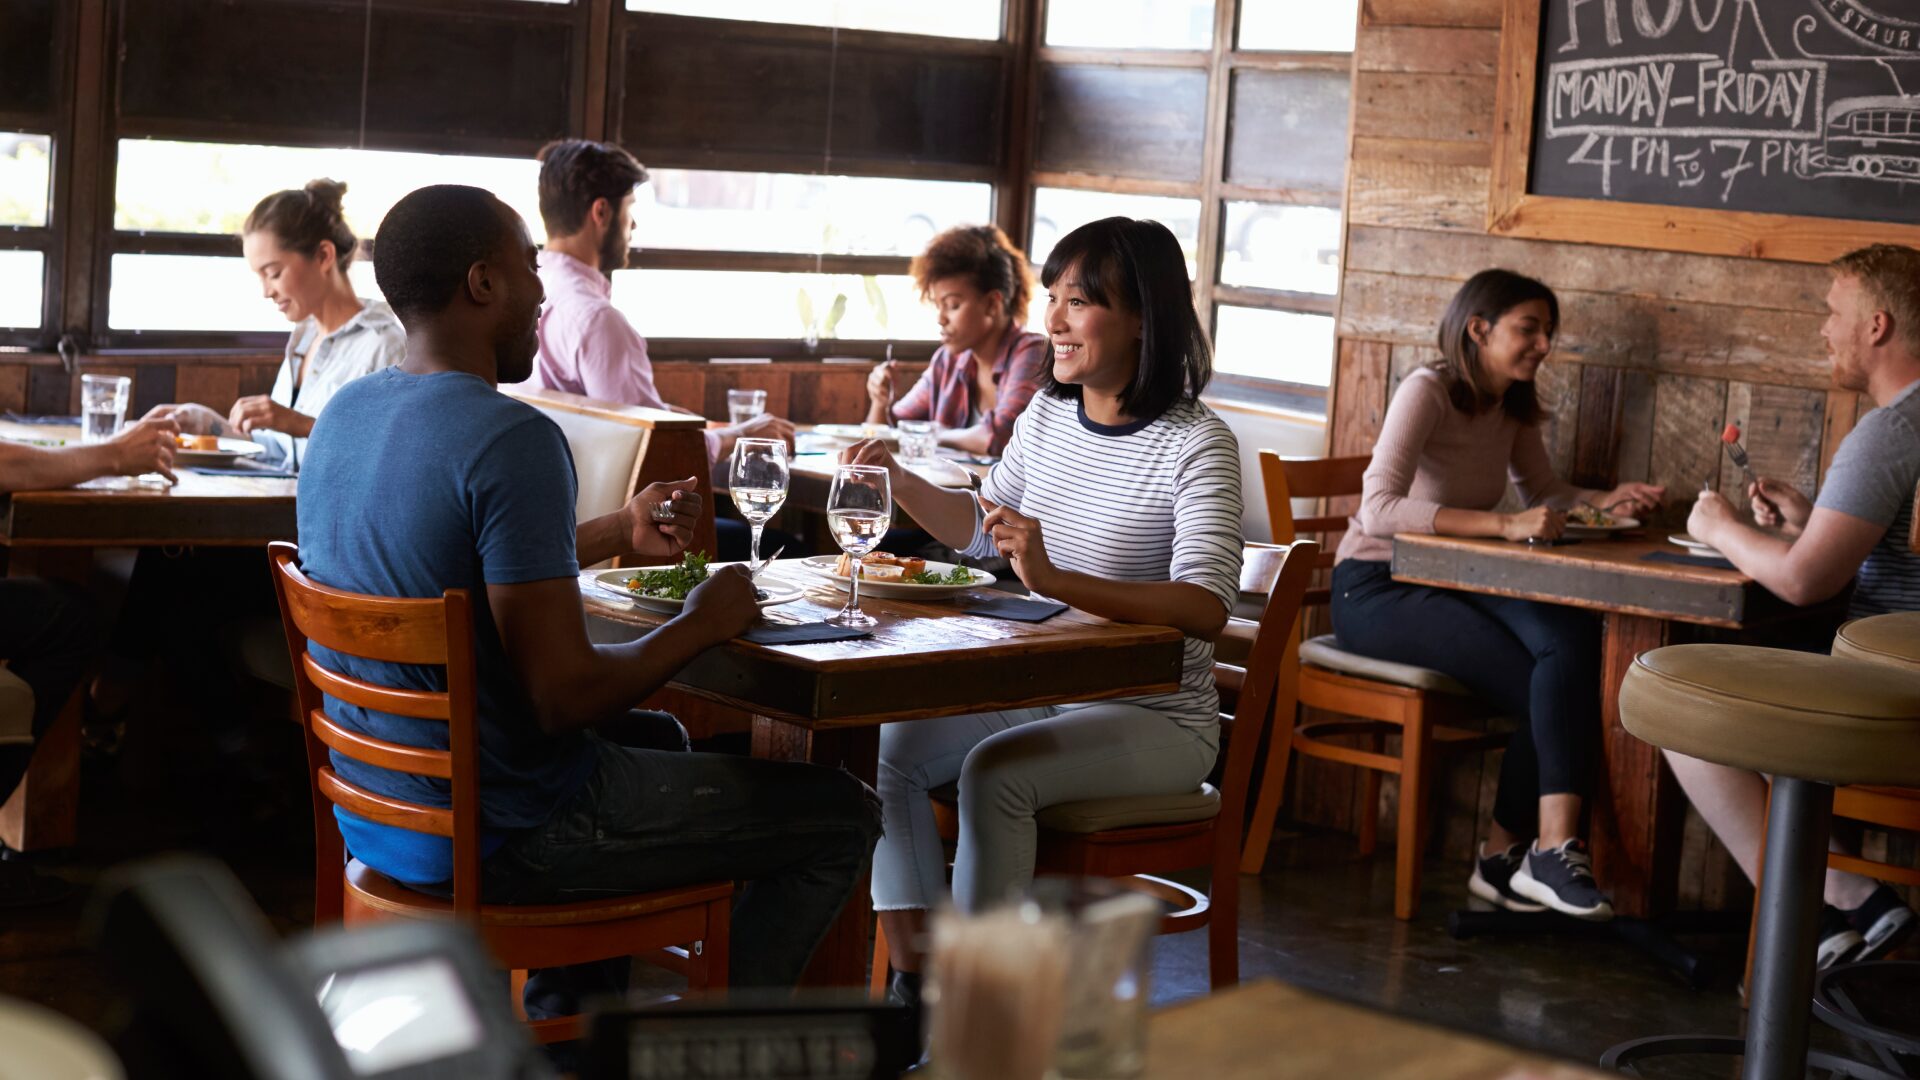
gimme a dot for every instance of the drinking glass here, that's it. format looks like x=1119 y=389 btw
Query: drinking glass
x=103 y=406
x=918 y=440
x=744 y=405
x=758 y=483
x=859 y=512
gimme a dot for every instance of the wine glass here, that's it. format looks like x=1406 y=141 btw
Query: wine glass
x=757 y=480
x=859 y=513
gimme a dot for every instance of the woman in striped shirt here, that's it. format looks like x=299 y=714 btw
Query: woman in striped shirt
x=1119 y=493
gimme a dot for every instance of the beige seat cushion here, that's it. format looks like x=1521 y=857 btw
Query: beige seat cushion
x=1118 y=812
x=605 y=452
x=16 y=710
x=1825 y=718
x=1882 y=639
x=1323 y=652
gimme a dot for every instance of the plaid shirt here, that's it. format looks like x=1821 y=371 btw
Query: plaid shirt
x=945 y=393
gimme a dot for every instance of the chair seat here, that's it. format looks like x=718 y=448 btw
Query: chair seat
x=1117 y=812
x=1325 y=652
x=16 y=710
x=378 y=891
x=1824 y=718
x=1882 y=639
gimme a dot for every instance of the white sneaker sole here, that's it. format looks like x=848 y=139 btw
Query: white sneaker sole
x=1526 y=885
x=1482 y=888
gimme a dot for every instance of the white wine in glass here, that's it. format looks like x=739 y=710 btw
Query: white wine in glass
x=757 y=481
x=859 y=513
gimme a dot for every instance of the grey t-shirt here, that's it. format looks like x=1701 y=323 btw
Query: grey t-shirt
x=1872 y=477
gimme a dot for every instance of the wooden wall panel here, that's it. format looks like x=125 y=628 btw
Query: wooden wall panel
x=13 y=389
x=1781 y=428
x=215 y=387
x=1418 y=50
x=1445 y=14
x=1451 y=108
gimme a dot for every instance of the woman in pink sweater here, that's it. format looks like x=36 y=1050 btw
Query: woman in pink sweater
x=1455 y=435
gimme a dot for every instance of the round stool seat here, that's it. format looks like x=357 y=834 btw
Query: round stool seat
x=1822 y=718
x=1882 y=639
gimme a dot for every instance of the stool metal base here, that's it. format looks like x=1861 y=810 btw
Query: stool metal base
x=1627 y=1056
x=1834 y=1004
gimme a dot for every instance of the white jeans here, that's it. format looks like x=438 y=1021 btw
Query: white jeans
x=1010 y=765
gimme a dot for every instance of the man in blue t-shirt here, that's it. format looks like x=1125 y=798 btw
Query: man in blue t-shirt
x=423 y=478
x=1811 y=550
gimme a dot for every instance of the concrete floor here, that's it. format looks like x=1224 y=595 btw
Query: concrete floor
x=1318 y=918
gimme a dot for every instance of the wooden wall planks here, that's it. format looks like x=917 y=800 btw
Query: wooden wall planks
x=1656 y=353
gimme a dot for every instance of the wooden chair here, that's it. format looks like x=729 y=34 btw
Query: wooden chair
x=619 y=449
x=440 y=632
x=1381 y=697
x=1138 y=838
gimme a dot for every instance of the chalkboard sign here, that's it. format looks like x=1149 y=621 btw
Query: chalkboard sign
x=1801 y=107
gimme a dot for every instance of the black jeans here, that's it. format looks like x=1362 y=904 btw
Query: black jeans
x=47 y=637
x=1537 y=663
x=795 y=835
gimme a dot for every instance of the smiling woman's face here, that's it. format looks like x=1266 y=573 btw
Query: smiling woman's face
x=294 y=283
x=1514 y=347
x=1093 y=346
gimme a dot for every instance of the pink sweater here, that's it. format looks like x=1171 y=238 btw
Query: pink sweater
x=1431 y=455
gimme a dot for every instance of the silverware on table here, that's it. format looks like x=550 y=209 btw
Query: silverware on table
x=768 y=561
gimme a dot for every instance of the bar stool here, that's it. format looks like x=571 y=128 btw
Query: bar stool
x=1812 y=722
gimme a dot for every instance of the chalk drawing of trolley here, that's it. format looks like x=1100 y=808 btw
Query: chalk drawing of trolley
x=1876 y=138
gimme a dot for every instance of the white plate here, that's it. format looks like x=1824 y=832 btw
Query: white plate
x=231 y=450
x=1695 y=547
x=1620 y=525
x=941 y=471
x=855 y=432
x=616 y=581
x=823 y=565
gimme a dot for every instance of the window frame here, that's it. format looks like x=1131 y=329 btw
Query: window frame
x=50 y=238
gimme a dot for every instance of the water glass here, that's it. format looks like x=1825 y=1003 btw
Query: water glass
x=744 y=405
x=859 y=513
x=757 y=480
x=103 y=406
x=918 y=440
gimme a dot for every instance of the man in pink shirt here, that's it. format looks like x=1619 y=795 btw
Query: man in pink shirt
x=587 y=346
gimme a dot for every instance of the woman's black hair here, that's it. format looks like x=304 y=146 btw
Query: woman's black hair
x=1488 y=295
x=1138 y=267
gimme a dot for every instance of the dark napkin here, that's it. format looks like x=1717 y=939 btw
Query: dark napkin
x=806 y=633
x=1016 y=608
x=263 y=473
x=1686 y=560
x=24 y=418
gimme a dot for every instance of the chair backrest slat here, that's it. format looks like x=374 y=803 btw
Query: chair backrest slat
x=379 y=752
x=1260 y=568
x=422 y=704
x=1267 y=692
x=373 y=627
x=382 y=810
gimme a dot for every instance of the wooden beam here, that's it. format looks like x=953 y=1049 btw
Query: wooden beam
x=86 y=161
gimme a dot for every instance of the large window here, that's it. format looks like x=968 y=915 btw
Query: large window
x=795 y=213
x=26 y=194
x=978 y=19
x=25 y=175
x=22 y=274
x=1226 y=121
x=765 y=305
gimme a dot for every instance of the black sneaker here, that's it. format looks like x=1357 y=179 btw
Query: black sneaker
x=1492 y=876
x=1883 y=923
x=1839 y=941
x=1562 y=879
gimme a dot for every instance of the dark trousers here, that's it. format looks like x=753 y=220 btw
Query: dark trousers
x=795 y=835
x=1537 y=663
x=47 y=637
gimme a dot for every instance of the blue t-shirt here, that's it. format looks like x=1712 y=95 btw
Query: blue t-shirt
x=413 y=485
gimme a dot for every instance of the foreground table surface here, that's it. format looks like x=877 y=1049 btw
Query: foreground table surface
x=1268 y=1031
x=245 y=511
x=1637 y=808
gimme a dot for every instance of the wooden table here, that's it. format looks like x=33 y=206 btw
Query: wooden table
x=824 y=703
x=1269 y=1031
x=1637 y=810
x=53 y=534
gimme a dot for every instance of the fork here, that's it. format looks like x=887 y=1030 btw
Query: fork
x=768 y=561
x=1738 y=455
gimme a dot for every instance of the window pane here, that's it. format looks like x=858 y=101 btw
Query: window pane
x=1296 y=248
x=757 y=304
x=978 y=19
x=24 y=177
x=790 y=212
x=1059 y=211
x=210 y=187
x=1131 y=24
x=200 y=292
x=1282 y=345
x=1298 y=25
x=22 y=276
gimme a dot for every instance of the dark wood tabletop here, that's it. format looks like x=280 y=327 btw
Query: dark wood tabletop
x=232 y=511
x=926 y=658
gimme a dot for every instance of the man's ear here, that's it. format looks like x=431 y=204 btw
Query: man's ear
x=1880 y=328
x=601 y=213
x=480 y=283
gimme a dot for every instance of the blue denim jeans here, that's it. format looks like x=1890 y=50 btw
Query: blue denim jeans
x=795 y=835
